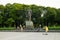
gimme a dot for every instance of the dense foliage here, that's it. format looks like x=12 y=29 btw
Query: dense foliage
x=12 y=14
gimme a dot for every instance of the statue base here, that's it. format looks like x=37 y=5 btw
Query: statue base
x=29 y=25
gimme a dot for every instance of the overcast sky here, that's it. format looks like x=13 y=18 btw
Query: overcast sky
x=46 y=3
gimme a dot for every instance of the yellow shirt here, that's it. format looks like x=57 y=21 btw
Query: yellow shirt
x=46 y=28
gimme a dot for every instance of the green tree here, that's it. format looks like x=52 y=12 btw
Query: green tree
x=1 y=15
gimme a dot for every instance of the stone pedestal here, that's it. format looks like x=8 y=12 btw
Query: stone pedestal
x=29 y=25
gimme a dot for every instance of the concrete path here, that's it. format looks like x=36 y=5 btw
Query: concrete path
x=29 y=36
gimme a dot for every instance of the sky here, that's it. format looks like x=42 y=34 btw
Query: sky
x=46 y=3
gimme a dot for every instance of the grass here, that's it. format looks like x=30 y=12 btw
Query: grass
x=54 y=27
x=7 y=28
x=12 y=28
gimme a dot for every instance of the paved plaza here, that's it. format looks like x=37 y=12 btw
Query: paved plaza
x=29 y=36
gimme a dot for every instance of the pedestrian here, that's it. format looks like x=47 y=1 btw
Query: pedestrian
x=46 y=29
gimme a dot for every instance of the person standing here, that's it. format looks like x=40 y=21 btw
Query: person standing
x=46 y=29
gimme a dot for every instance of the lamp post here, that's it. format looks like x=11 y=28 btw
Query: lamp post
x=43 y=12
x=42 y=15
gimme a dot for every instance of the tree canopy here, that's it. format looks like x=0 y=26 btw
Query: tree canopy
x=10 y=13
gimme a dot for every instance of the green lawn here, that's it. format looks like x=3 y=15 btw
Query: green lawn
x=7 y=28
x=54 y=27
x=50 y=28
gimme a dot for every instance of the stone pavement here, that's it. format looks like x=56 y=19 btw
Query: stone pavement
x=29 y=36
